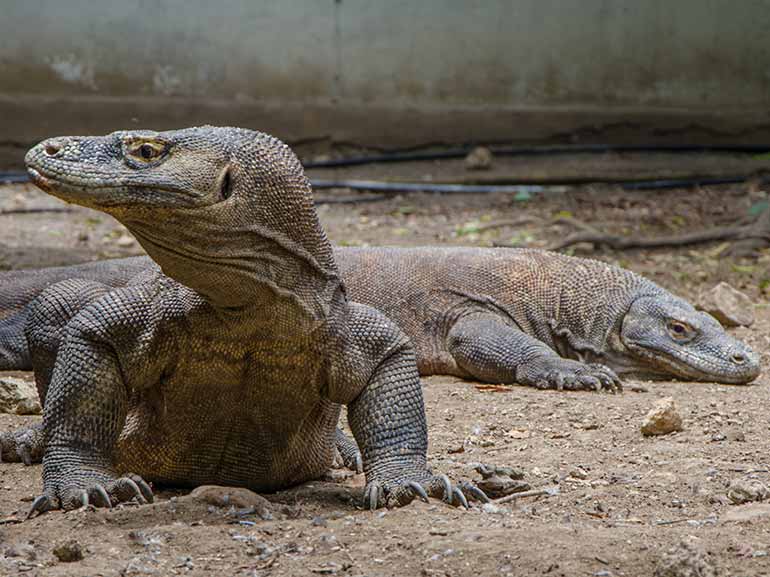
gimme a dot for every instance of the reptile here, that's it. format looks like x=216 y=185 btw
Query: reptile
x=229 y=362
x=505 y=315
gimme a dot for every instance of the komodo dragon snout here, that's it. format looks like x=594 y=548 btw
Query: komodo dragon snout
x=669 y=335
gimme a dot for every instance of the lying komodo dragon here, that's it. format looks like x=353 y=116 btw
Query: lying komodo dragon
x=499 y=315
x=231 y=366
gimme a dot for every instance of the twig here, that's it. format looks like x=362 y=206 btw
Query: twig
x=623 y=243
x=509 y=222
x=33 y=210
x=550 y=491
x=675 y=521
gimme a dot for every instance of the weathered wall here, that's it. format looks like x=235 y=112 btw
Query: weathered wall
x=389 y=72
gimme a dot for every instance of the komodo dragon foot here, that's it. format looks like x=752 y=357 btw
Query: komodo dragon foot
x=403 y=488
x=399 y=487
x=569 y=375
x=89 y=487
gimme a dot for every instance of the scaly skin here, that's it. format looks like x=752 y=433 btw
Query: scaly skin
x=534 y=306
x=231 y=365
x=500 y=315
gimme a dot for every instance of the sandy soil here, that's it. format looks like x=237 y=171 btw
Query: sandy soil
x=623 y=499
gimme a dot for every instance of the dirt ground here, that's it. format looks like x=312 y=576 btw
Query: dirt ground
x=622 y=500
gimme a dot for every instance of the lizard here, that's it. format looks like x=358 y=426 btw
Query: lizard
x=508 y=315
x=228 y=363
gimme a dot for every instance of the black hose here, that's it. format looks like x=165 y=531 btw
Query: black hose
x=407 y=187
x=532 y=151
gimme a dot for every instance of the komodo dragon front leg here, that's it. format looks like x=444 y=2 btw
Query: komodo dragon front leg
x=493 y=351
x=47 y=318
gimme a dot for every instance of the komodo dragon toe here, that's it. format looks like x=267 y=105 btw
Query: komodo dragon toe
x=92 y=488
x=575 y=376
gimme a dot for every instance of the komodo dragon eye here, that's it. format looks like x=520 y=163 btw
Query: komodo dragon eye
x=679 y=330
x=146 y=151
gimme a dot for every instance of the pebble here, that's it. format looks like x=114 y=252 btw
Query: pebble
x=663 y=418
x=19 y=397
x=69 y=552
x=686 y=560
x=728 y=305
x=746 y=491
x=480 y=158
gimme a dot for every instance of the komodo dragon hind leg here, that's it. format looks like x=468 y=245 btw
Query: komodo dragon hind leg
x=492 y=351
x=44 y=325
x=348 y=455
x=14 y=353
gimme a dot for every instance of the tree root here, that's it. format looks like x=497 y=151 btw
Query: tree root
x=748 y=238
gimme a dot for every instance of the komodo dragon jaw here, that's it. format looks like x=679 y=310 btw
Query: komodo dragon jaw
x=670 y=337
x=251 y=317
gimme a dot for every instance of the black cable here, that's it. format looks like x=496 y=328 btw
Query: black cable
x=532 y=151
x=407 y=187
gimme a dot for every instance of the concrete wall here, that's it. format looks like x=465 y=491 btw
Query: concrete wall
x=390 y=72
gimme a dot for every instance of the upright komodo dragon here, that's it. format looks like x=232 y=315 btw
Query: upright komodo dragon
x=232 y=365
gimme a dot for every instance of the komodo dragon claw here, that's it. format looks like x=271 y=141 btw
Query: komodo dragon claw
x=378 y=494
x=104 y=495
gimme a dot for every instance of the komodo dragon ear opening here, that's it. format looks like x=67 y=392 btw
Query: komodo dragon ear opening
x=226 y=186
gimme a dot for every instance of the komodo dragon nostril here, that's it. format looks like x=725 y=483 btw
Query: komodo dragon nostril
x=739 y=358
x=52 y=148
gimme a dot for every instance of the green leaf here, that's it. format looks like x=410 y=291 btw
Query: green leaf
x=759 y=207
x=471 y=227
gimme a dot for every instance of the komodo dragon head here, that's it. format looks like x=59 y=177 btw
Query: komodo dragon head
x=668 y=336
x=225 y=211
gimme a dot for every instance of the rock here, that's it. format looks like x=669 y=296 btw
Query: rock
x=19 y=397
x=126 y=240
x=69 y=551
x=746 y=491
x=500 y=481
x=237 y=497
x=480 y=158
x=662 y=419
x=729 y=306
x=746 y=513
x=686 y=560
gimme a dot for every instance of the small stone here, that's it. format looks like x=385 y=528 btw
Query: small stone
x=125 y=240
x=19 y=397
x=318 y=522
x=717 y=437
x=686 y=560
x=747 y=513
x=728 y=305
x=480 y=158
x=662 y=419
x=578 y=473
x=69 y=552
x=746 y=491
x=237 y=497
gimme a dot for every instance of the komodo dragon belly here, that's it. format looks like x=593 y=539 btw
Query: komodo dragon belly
x=235 y=417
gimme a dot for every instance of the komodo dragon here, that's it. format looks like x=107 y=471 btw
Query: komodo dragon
x=497 y=315
x=231 y=366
